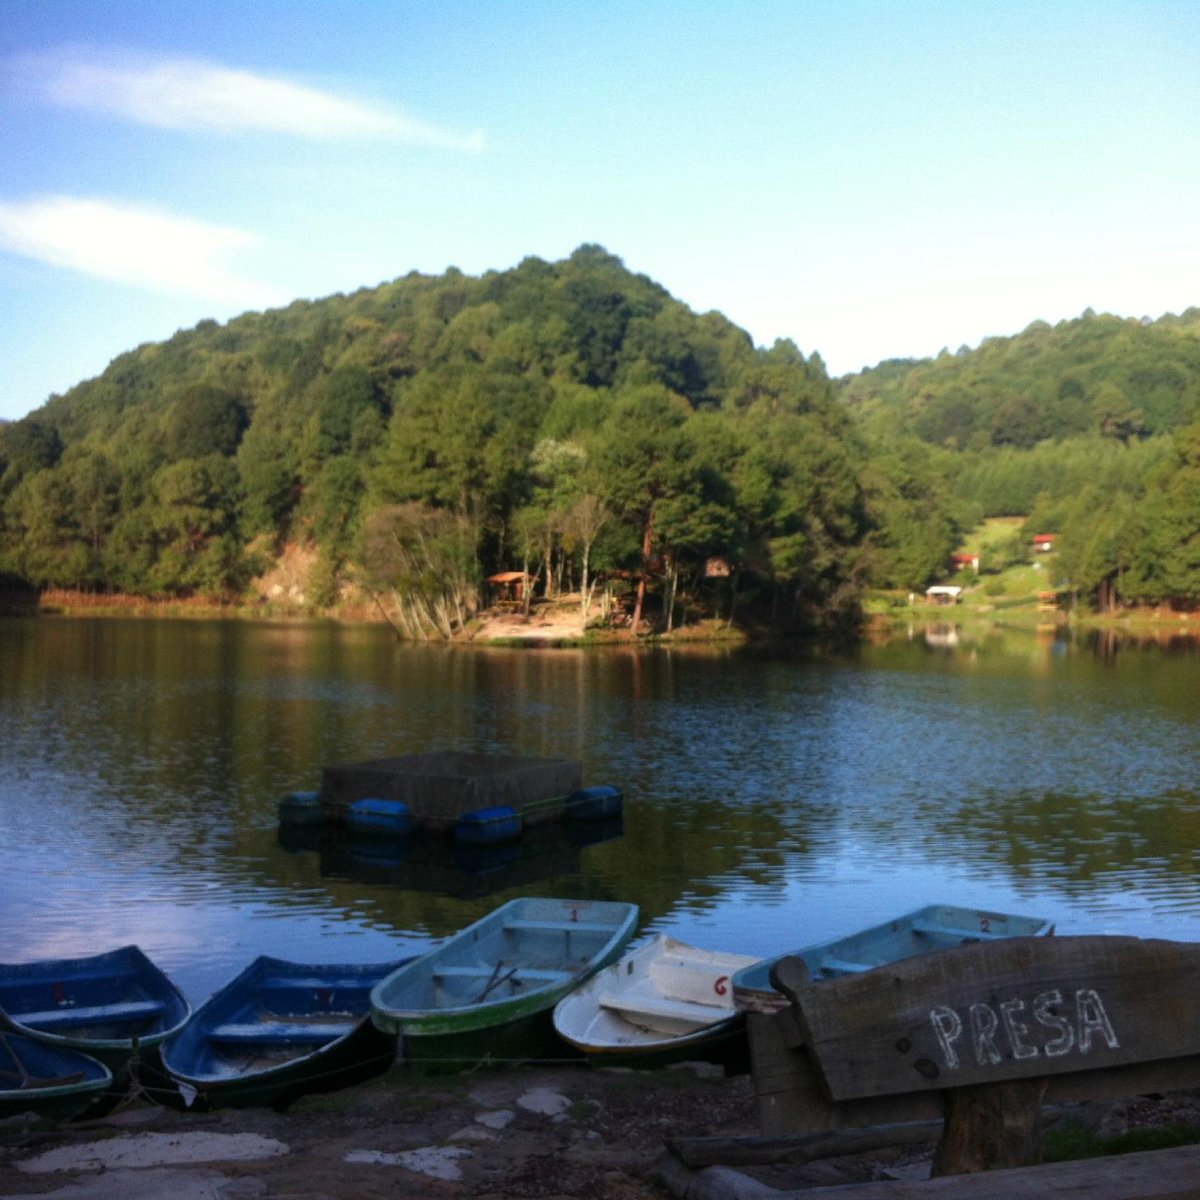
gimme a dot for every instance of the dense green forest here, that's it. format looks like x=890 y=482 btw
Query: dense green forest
x=573 y=420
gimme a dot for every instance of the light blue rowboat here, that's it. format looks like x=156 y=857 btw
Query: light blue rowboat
x=936 y=927
x=487 y=992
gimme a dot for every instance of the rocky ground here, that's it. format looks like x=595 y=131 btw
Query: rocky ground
x=547 y=1132
x=521 y=1132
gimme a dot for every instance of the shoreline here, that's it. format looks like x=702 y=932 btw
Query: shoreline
x=533 y=1130
x=549 y=623
x=553 y=624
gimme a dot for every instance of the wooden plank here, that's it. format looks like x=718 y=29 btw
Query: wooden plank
x=1148 y=1175
x=1021 y=1008
x=792 y=1098
x=762 y=1151
x=99 y=1014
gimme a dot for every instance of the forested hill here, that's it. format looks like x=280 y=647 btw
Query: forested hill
x=1109 y=375
x=573 y=418
x=420 y=435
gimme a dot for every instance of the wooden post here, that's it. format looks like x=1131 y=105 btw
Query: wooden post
x=989 y=1126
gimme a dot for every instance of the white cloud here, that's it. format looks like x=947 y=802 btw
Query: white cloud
x=142 y=247
x=190 y=94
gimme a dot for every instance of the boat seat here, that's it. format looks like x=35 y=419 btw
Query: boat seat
x=314 y=983
x=843 y=966
x=520 y=924
x=933 y=929
x=100 y=1014
x=316 y=1032
x=486 y=973
x=632 y=1005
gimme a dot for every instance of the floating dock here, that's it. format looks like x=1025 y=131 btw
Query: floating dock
x=475 y=797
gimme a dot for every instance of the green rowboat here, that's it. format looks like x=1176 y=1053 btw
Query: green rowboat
x=486 y=994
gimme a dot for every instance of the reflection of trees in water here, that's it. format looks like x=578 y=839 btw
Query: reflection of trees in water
x=1077 y=844
x=166 y=746
x=666 y=859
x=1106 y=643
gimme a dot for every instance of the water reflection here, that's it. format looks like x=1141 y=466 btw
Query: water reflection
x=446 y=867
x=768 y=800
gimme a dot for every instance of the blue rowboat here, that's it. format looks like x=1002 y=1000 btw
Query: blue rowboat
x=487 y=992
x=281 y=1029
x=51 y=1081
x=110 y=1006
x=936 y=927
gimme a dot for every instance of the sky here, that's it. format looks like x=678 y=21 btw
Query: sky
x=870 y=178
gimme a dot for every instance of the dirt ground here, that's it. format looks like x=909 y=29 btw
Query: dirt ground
x=545 y=623
x=520 y=1132
x=547 y=1131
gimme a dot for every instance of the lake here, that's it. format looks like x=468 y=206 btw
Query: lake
x=771 y=800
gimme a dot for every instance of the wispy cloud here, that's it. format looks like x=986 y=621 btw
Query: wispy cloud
x=190 y=94
x=142 y=247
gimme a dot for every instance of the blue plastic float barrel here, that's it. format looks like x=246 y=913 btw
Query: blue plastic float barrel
x=486 y=825
x=301 y=808
x=591 y=803
x=378 y=816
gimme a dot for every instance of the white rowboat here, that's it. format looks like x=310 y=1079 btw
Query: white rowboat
x=665 y=1001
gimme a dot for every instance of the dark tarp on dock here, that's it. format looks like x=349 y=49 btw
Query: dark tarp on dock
x=440 y=786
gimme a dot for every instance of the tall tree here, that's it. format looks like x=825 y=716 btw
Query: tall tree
x=644 y=460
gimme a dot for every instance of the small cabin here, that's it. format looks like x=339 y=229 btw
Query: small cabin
x=509 y=586
x=941 y=594
x=965 y=562
x=1043 y=543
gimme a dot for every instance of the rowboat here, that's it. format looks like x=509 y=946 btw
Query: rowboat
x=664 y=1002
x=486 y=994
x=936 y=927
x=51 y=1081
x=110 y=1006
x=278 y=1030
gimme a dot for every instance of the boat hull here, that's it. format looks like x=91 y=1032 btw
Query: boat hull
x=110 y=1006
x=280 y=1030
x=486 y=994
x=935 y=927
x=666 y=1002
x=52 y=1082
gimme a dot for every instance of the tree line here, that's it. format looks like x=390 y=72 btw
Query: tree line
x=575 y=421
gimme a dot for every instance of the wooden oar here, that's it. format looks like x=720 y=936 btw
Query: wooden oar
x=495 y=981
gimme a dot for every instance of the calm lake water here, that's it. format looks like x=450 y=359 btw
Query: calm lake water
x=771 y=801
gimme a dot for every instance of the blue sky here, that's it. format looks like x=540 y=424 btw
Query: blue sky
x=871 y=179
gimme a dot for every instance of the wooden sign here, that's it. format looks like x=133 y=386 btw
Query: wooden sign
x=1021 y=1008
